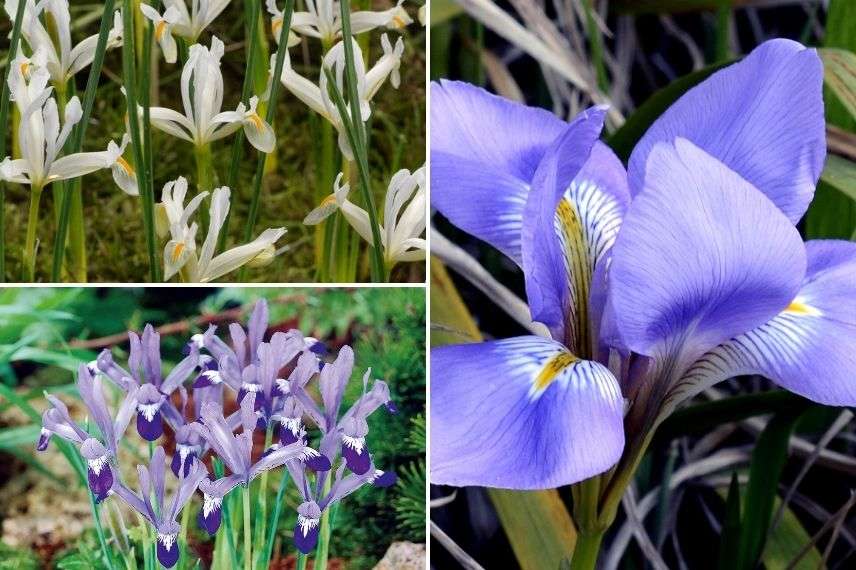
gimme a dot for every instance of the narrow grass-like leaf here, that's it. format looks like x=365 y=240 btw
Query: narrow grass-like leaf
x=78 y=135
x=361 y=151
x=251 y=15
x=839 y=75
x=129 y=72
x=362 y=167
x=768 y=461
x=5 y=95
x=729 y=545
x=273 y=522
x=269 y=116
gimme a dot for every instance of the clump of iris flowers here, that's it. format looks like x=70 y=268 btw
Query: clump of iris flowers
x=655 y=281
x=269 y=380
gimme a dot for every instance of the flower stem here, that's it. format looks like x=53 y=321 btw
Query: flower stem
x=99 y=530
x=322 y=553
x=29 y=256
x=301 y=561
x=248 y=541
x=586 y=550
x=205 y=178
x=269 y=117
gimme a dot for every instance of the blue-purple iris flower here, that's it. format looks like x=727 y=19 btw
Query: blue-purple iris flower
x=236 y=453
x=162 y=516
x=101 y=451
x=343 y=437
x=655 y=282
x=154 y=396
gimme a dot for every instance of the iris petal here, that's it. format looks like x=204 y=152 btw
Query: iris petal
x=808 y=347
x=762 y=117
x=546 y=278
x=521 y=413
x=484 y=153
x=702 y=256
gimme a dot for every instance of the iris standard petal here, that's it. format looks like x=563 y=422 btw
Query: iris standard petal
x=521 y=413
x=808 y=347
x=762 y=117
x=546 y=278
x=702 y=256
x=484 y=152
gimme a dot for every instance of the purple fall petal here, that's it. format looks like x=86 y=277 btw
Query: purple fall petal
x=211 y=515
x=808 y=347
x=384 y=478
x=167 y=551
x=99 y=473
x=521 y=413
x=307 y=527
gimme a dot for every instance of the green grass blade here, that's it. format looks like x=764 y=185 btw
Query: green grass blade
x=4 y=120
x=273 y=522
x=269 y=116
x=251 y=13
x=729 y=545
x=361 y=150
x=129 y=73
x=78 y=135
x=765 y=469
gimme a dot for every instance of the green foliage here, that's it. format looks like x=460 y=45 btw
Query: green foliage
x=17 y=559
x=410 y=503
x=394 y=347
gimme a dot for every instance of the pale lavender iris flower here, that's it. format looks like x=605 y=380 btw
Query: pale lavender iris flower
x=236 y=453
x=155 y=390
x=160 y=514
x=654 y=282
x=101 y=451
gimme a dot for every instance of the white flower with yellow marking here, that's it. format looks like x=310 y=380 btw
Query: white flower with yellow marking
x=189 y=24
x=202 y=97
x=318 y=98
x=63 y=60
x=322 y=20
x=163 y=29
x=42 y=138
x=180 y=253
x=403 y=220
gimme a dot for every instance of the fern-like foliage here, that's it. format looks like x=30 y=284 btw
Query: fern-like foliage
x=409 y=504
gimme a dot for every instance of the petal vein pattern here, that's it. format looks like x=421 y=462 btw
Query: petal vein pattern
x=521 y=413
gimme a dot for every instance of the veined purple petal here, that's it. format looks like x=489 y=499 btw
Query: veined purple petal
x=182 y=459
x=99 y=473
x=521 y=413
x=702 y=256
x=333 y=380
x=306 y=530
x=151 y=355
x=384 y=478
x=44 y=438
x=762 y=117
x=586 y=222
x=257 y=325
x=210 y=515
x=356 y=454
x=149 y=420
x=809 y=347
x=167 y=550
x=546 y=278
x=484 y=152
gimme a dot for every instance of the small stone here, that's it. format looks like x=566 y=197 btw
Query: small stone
x=403 y=556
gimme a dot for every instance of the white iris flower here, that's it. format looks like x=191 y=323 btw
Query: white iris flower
x=318 y=98
x=63 y=60
x=189 y=24
x=403 y=216
x=322 y=20
x=180 y=252
x=42 y=136
x=202 y=96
